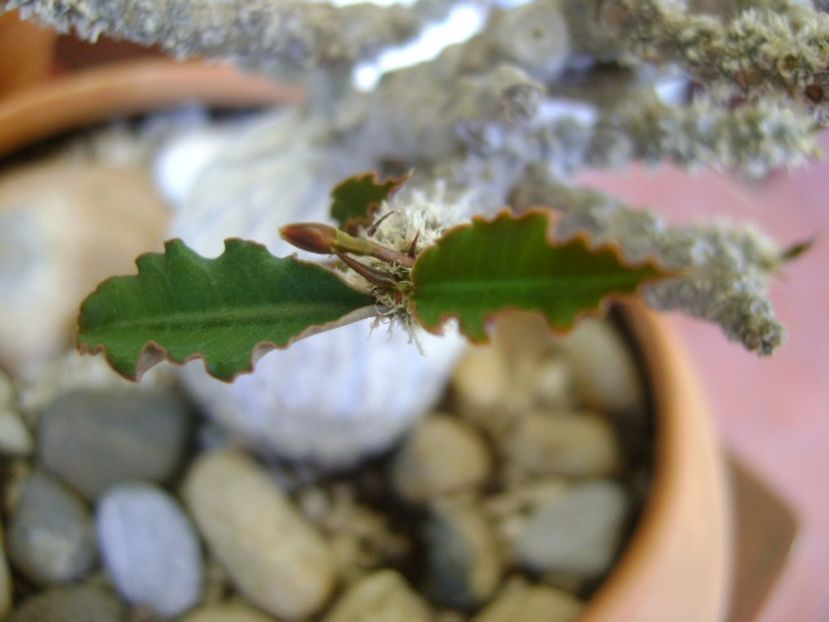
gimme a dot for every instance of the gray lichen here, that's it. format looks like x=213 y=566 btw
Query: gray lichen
x=761 y=51
x=275 y=36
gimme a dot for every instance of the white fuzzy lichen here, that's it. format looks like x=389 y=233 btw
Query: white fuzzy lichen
x=276 y=36
x=761 y=51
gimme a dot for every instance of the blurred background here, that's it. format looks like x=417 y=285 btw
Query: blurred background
x=771 y=413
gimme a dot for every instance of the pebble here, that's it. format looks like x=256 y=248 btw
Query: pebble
x=532 y=604
x=149 y=548
x=442 y=455
x=480 y=382
x=5 y=579
x=564 y=444
x=15 y=438
x=82 y=603
x=464 y=563
x=6 y=389
x=64 y=227
x=576 y=532
x=275 y=557
x=383 y=596
x=604 y=371
x=51 y=537
x=233 y=612
x=94 y=439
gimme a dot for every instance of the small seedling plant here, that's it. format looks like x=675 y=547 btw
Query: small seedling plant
x=229 y=310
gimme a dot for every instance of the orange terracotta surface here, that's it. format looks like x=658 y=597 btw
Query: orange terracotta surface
x=677 y=565
x=773 y=412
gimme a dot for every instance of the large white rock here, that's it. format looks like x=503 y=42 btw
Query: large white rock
x=334 y=397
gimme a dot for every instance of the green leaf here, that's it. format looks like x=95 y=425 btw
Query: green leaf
x=357 y=198
x=181 y=306
x=477 y=270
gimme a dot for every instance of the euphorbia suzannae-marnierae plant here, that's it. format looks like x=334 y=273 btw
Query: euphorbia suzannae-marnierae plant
x=506 y=117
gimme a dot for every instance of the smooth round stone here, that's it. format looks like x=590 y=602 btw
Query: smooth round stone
x=383 y=596
x=272 y=554
x=442 y=455
x=15 y=438
x=95 y=439
x=577 y=532
x=149 y=548
x=604 y=371
x=5 y=579
x=235 y=612
x=564 y=444
x=86 y=603
x=533 y=604
x=480 y=381
x=463 y=556
x=51 y=538
x=64 y=227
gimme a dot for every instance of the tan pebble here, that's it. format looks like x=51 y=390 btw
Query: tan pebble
x=533 y=604
x=15 y=438
x=565 y=444
x=64 y=227
x=604 y=371
x=380 y=597
x=235 y=612
x=480 y=382
x=272 y=554
x=442 y=455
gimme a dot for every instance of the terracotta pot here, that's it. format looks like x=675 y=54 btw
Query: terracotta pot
x=93 y=96
x=26 y=53
x=676 y=566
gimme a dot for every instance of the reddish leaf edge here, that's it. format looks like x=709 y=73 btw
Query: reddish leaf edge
x=153 y=353
x=394 y=184
x=595 y=312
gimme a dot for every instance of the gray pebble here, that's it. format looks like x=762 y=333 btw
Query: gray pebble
x=51 y=537
x=94 y=439
x=272 y=554
x=576 y=532
x=71 y=604
x=383 y=596
x=442 y=455
x=463 y=557
x=149 y=548
x=532 y=604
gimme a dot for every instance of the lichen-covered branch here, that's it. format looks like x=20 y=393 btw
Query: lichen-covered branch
x=759 y=52
x=752 y=139
x=724 y=269
x=275 y=36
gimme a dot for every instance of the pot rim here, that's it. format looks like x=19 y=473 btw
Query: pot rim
x=683 y=434
x=95 y=95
